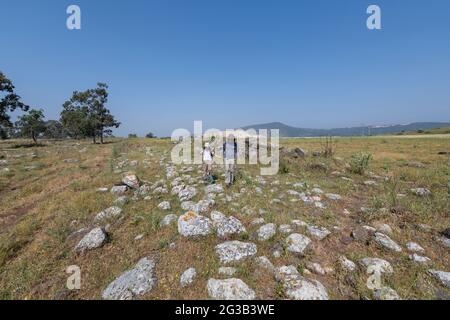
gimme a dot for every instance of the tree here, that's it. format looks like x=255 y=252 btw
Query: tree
x=54 y=130
x=150 y=135
x=9 y=101
x=85 y=114
x=31 y=124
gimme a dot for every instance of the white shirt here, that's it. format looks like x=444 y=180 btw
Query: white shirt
x=207 y=156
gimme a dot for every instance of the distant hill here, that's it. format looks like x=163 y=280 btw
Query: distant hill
x=288 y=131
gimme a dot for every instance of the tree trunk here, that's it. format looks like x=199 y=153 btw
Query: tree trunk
x=33 y=136
x=93 y=137
x=101 y=136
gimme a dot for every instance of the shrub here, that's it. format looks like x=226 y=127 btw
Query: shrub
x=360 y=162
x=132 y=136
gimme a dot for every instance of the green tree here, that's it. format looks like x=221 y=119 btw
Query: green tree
x=9 y=101
x=85 y=114
x=31 y=124
x=150 y=135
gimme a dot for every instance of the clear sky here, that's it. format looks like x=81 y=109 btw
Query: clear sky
x=232 y=63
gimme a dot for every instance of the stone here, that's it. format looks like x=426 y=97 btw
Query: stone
x=227 y=271
x=444 y=241
x=203 y=206
x=165 y=205
x=94 y=239
x=370 y=183
x=257 y=221
x=347 y=264
x=192 y=224
x=265 y=263
x=285 y=228
x=315 y=268
x=139 y=237
x=168 y=219
x=442 y=276
x=297 y=243
x=188 y=277
x=119 y=190
x=419 y=259
x=229 y=289
x=297 y=287
x=299 y=223
x=318 y=232
x=317 y=191
x=188 y=205
x=187 y=194
x=266 y=232
x=333 y=196
x=377 y=264
x=102 y=190
x=421 y=192
x=214 y=188
x=226 y=226
x=383 y=227
x=121 y=201
x=235 y=251
x=386 y=293
x=386 y=242
x=131 y=181
x=109 y=213
x=414 y=247
x=134 y=282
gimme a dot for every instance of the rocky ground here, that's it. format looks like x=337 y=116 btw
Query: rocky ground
x=140 y=227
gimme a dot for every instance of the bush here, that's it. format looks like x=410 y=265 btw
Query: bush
x=132 y=136
x=360 y=162
x=150 y=135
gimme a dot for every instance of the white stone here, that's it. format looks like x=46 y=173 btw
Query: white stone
x=266 y=232
x=234 y=251
x=386 y=242
x=297 y=243
x=188 y=277
x=229 y=289
x=192 y=224
x=94 y=239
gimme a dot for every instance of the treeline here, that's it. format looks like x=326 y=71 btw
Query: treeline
x=84 y=115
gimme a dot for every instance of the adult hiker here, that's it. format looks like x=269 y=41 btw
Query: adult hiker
x=230 y=155
x=208 y=156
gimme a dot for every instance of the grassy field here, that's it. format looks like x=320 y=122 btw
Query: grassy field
x=48 y=192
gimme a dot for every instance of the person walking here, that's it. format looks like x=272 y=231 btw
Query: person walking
x=229 y=155
x=208 y=156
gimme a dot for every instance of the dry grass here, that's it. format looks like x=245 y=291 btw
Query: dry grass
x=44 y=199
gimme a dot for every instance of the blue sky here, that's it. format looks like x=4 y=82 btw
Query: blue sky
x=232 y=63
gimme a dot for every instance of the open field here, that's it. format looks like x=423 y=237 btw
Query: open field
x=49 y=197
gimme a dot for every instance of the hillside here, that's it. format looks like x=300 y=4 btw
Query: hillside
x=289 y=131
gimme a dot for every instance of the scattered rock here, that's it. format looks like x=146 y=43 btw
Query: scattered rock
x=315 y=268
x=419 y=259
x=188 y=277
x=165 y=205
x=285 y=228
x=214 y=188
x=265 y=263
x=297 y=287
x=119 y=190
x=234 y=251
x=94 y=239
x=229 y=289
x=414 y=247
x=377 y=264
x=131 y=181
x=347 y=264
x=421 y=192
x=102 y=190
x=333 y=196
x=121 y=201
x=442 y=276
x=257 y=221
x=132 y=283
x=383 y=227
x=192 y=224
x=297 y=243
x=386 y=293
x=226 y=226
x=187 y=194
x=168 y=219
x=386 y=242
x=109 y=213
x=227 y=271
x=318 y=232
x=266 y=232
